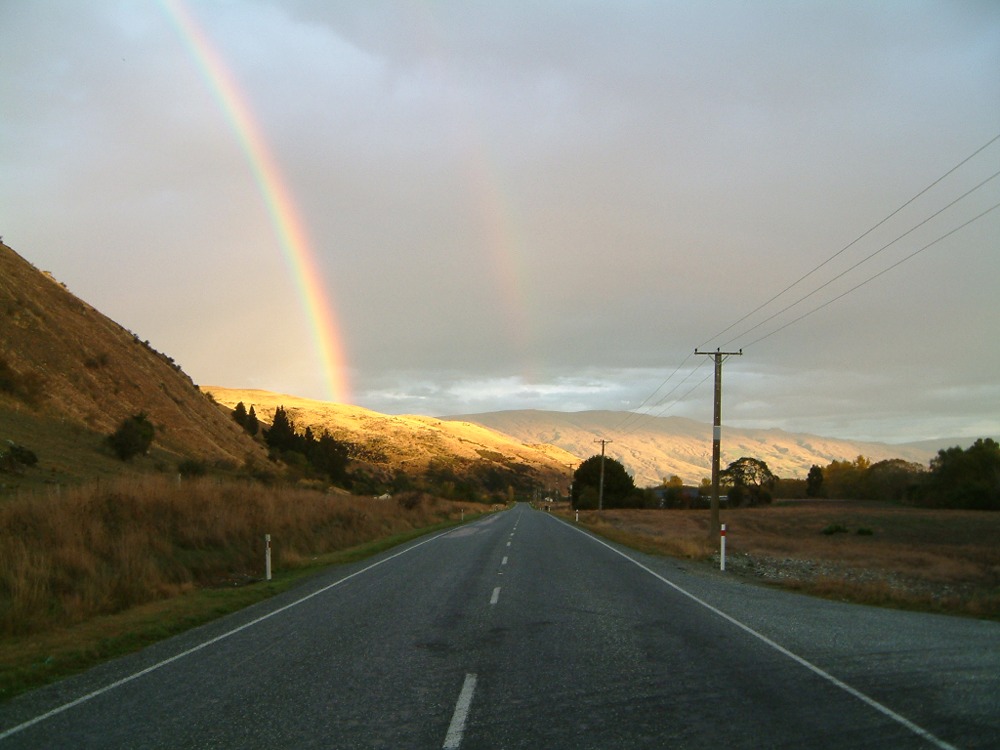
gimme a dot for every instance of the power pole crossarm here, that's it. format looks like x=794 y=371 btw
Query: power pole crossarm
x=719 y=357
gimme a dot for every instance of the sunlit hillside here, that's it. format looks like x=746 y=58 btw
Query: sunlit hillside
x=69 y=375
x=410 y=443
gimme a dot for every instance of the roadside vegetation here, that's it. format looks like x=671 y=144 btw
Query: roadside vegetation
x=79 y=566
x=860 y=551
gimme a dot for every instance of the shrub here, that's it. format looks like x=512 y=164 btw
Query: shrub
x=133 y=437
x=17 y=457
x=192 y=467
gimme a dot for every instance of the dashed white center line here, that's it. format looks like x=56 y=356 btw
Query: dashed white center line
x=456 y=729
x=508 y=544
x=504 y=561
x=496 y=595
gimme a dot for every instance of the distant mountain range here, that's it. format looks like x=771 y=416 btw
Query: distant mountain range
x=652 y=448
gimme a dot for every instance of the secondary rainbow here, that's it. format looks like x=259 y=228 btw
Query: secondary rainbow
x=284 y=214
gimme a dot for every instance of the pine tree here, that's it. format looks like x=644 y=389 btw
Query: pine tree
x=281 y=435
x=240 y=415
x=252 y=425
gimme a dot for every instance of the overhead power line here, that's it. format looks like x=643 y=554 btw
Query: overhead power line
x=880 y=273
x=637 y=412
x=869 y=257
x=635 y=419
x=855 y=240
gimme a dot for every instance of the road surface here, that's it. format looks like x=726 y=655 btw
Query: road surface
x=521 y=631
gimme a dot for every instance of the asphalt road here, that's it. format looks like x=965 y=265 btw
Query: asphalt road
x=520 y=631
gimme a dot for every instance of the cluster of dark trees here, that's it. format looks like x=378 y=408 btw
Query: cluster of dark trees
x=246 y=419
x=746 y=481
x=860 y=479
x=619 y=490
x=324 y=454
x=957 y=478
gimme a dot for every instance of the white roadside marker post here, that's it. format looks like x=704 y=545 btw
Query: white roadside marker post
x=267 y=557
x=722 y=547
x=578 y=516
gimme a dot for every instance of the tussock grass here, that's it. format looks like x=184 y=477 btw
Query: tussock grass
x=102 y=549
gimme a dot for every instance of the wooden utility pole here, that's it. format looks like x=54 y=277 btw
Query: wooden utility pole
x=719 y=357
x=600 y=492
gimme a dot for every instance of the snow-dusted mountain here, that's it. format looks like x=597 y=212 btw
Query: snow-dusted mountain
x=652 y=448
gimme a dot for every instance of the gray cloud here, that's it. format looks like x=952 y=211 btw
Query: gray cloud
x=544 y=205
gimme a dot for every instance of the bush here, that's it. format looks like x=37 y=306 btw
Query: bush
x=16 y=458
x=192 y=467
x=22 y=455
x=132 y=438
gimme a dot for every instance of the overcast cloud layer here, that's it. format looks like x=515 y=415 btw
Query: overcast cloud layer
x=534 y=205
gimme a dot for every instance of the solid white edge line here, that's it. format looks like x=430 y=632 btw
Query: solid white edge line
x=496 y=595
x=456 y=729
x=118 y=683
x=885 y=710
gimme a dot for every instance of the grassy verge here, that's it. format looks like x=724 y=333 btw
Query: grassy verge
x=30 y=661
x=909 y=558
x=99 y=571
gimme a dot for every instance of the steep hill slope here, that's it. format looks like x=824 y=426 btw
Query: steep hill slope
x=69 y=376
x=411 y=444
x=652 y=448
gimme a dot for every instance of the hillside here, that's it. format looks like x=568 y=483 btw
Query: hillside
x=69 y=375
x=411 y=444
x=652 y=448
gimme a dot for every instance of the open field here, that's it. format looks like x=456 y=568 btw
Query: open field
x=99 y=570
x=932 y=560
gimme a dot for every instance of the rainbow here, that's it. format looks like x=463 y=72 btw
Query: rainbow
x=284 y=214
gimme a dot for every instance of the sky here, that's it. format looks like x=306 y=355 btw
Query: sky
x=458 y=207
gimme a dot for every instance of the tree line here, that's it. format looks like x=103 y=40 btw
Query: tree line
x=956 y=478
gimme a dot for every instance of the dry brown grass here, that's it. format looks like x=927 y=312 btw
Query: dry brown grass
x=101 y=549
x=940 y=560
